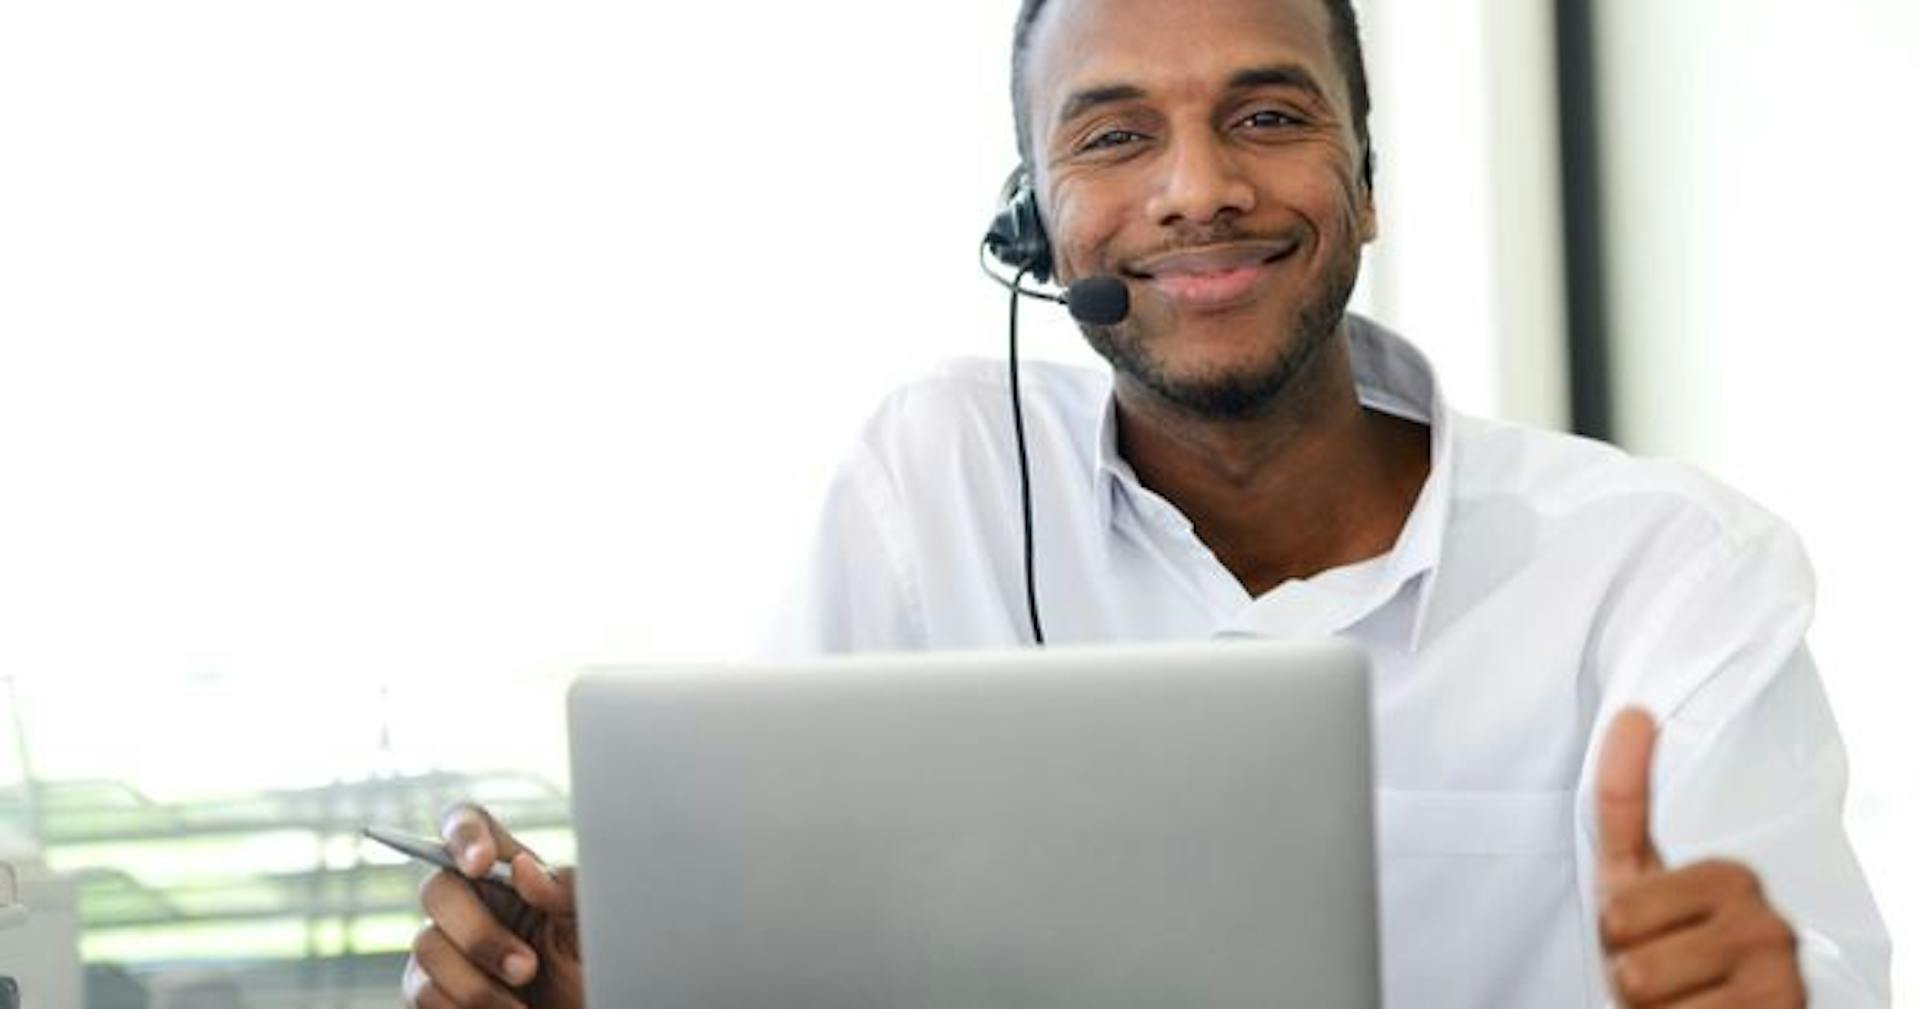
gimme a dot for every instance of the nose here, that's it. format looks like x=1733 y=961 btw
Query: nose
x=1202 y=183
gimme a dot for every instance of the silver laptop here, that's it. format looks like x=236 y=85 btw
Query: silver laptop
x=1149 y=826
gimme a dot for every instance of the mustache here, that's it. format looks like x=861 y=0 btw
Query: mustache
x=1196 y=237
x=1216 y=245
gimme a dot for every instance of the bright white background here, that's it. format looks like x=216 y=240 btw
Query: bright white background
x=1763 y=165
x=451 y=345
x=446 y=343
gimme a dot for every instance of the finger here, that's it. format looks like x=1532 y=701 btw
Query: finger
x=420 y=990
x=431 y=997
x=1621 y=794
x=1654 y=905
x=476 y=839
x=548 y=891
x=1673 y=966
x=481 y=938
x=415 y=985
x=446 y=969
x=1712 y=998
x=1766 y=982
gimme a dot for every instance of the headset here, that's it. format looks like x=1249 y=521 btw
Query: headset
x=1018 y=240
x=1017 y=237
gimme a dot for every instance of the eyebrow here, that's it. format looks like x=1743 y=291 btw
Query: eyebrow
x=1277 y=75
x=1081 y=102
x=1282 y=75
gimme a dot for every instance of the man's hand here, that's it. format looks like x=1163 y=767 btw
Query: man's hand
x=1699 y=936
x=466 y=956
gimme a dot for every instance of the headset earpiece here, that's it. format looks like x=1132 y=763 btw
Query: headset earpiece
x=1017 y=238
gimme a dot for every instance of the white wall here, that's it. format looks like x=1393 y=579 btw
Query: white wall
x=1761 y=178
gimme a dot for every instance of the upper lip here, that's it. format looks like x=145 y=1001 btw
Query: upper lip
x=1212 y=258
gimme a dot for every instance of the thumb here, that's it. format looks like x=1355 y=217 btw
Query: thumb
x=549 y=891
x=1621 y=795
x=475 y=838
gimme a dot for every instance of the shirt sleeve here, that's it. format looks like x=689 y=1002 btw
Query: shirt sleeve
x=857 y=590
x=1749 y=765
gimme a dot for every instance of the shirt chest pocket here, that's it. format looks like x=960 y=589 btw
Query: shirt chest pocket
x=1479 y=899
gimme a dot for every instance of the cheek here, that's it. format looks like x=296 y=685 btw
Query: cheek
x=1070 y=246
x=1082 y=231
x=1329 y=197
x=1353 y=206
x=1320 y=183
x=1336 y=214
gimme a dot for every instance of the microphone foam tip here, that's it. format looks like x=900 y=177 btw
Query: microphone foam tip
x=1099 y=301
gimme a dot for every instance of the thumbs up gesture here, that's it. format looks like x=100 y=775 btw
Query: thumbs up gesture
x=1697 y=936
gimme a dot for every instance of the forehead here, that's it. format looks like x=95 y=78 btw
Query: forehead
x=1167 y=47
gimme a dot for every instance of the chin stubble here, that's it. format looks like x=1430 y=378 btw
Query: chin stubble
x=1237 y=394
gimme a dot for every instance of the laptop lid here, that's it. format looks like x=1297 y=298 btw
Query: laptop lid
x=1147 y=826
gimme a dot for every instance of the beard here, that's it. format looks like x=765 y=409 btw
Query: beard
x=1245 y=392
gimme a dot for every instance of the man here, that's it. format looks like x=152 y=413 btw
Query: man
x=1260 y=463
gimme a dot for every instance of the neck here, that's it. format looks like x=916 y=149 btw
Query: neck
x=1316 y=482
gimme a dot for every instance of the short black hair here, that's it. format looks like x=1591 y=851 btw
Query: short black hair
x=1346 y=49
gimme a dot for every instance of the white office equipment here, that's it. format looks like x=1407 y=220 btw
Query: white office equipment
x=1067 y=828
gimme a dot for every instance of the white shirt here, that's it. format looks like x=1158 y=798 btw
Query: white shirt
x=1540 y=583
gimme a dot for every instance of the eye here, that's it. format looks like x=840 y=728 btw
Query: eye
x=1269 y=119
x=1112 y=139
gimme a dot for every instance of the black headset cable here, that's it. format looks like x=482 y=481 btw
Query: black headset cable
x=1020 y=445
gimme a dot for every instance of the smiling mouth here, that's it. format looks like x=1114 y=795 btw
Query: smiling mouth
x=1212 y=277
x=1211 y=260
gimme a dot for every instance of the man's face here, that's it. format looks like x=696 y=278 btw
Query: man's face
x=1205 y=152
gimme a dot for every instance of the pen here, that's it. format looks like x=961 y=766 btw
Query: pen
x=435 y=853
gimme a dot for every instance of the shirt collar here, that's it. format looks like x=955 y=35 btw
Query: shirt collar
x=1390 y=375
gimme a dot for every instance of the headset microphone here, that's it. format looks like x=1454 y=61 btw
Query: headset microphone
x=1094 y=301
x=1099 y=301
x=1018 y=239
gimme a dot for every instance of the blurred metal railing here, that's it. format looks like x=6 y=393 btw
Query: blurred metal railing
x=74 y=821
